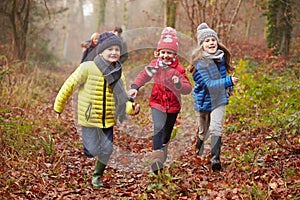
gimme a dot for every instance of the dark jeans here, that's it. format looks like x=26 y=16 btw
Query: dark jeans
x=163 y=126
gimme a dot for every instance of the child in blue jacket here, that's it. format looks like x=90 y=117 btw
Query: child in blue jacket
x=210 y=64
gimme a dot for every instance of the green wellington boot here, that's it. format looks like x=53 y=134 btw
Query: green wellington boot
x=98 y=173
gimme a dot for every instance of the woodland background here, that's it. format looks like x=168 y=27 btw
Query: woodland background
x=41 y=157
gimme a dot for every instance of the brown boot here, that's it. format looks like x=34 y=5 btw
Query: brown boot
x=165 y=150
x=157 y=161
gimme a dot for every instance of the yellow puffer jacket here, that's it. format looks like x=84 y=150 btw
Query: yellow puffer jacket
x=96 y=104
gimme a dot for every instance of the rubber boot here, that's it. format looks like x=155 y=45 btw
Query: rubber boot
x=157 y=161
x=165 y=150
x=199 y=146
x=216 y=142
x=98 y=173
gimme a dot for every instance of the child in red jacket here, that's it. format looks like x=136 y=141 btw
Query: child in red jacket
x=170 y=82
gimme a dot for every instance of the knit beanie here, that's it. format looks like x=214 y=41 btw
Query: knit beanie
x=203 y=31
x=168 y=40
x=106 y=40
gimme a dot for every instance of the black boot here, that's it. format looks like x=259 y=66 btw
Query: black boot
x=199 y=146
x=215 y=153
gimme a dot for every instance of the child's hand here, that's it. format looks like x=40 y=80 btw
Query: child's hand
x=234 y=80
x=57 y=115
x=175 y=79
x=132 y=93
x=136 y=108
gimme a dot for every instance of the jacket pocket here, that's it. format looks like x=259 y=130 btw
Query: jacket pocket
x=88 y=112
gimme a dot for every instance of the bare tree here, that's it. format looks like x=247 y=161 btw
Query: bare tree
x=220 y=15
x=237 y=8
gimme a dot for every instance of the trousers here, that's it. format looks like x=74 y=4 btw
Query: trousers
x=98 y=142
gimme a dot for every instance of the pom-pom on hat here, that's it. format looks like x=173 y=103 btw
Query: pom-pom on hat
x=203 y=31
x=168 y=40
x=106 y=40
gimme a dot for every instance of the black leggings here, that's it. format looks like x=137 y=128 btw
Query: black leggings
x=163 y=126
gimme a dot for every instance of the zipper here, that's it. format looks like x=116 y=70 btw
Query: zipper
x=104 y=104
x=88 y=112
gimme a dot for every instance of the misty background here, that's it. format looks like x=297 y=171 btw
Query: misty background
x=141 y=21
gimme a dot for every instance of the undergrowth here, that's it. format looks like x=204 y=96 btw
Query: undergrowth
x=266 y=99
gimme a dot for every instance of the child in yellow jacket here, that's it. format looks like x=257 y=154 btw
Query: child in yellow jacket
x=102 y=99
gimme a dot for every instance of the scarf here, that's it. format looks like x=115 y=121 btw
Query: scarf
x=216 y=56
x=112 y=74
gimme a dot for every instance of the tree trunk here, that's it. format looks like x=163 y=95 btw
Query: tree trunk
x=279 y=26
x=19 y=16
x=125 y=15
x=237 y=8
x=102 y=5
x=171 y=7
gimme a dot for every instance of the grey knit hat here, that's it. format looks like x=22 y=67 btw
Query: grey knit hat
x=203 y=31
x=106 y=40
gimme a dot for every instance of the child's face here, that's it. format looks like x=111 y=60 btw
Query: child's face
x=166 y=55
x=112 y=53
x=210 y=45
x=95 y=40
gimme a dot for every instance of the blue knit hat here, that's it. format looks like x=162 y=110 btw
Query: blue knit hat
x=106 y=40
x=203 y=31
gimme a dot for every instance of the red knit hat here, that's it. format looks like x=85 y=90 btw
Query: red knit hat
x=168 y=40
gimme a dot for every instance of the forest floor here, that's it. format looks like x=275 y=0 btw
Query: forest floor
x=58 y=168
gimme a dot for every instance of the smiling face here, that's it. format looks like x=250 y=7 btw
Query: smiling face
x=112 y=53
x=210 y=45
x=166 y=55
x=95 y=40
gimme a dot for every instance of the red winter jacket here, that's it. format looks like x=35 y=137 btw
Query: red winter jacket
x=165 y=95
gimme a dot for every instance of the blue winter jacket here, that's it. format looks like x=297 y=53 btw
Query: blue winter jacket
x=211 y=83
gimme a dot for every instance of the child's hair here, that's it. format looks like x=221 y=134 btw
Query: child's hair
x=118 y=29
x=85 y=44
x=198 y=55
x=94 y=35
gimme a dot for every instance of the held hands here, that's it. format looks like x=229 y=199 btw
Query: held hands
x=175 y=79
x=136 y=108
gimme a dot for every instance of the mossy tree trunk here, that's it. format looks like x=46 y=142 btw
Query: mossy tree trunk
x=125 y=15
x=279 y=26
x=171 y=8
x=102 y=6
